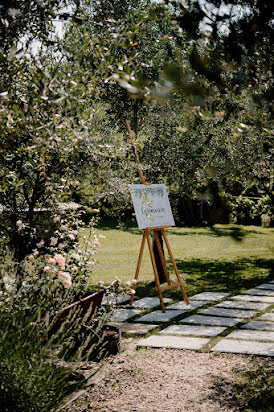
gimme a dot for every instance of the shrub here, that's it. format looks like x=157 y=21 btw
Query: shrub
x=35 y=373
x=248 y=211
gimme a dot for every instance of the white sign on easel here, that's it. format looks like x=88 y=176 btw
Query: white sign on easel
x=151 y=205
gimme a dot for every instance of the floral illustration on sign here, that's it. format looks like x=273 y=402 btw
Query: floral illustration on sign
x=146 y=191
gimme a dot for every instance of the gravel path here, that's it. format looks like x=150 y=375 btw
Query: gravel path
x=165 y=380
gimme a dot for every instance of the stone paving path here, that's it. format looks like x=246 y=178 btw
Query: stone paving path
x=213 y=321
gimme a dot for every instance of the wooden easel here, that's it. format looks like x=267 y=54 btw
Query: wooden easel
x=146 y=237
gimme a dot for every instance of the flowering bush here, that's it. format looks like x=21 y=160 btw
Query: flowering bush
x=63 y=256
x=35 y=373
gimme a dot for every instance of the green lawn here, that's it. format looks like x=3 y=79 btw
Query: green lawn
x=224 y=258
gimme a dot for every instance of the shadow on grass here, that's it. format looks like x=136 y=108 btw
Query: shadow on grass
x=220 y=276
x=235 y=232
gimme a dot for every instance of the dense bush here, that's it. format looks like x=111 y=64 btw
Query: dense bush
x=250 y=211
x=36 y=368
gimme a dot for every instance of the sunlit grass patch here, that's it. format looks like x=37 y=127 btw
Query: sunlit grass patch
x=222 y=258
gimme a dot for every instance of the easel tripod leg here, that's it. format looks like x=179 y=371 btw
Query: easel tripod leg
x=138 y=267
x=155 y=270
x=175 y=267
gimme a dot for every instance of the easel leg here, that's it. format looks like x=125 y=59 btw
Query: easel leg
x=146 y=233
x=175 y=267
x=138 y=266
x=162 y=258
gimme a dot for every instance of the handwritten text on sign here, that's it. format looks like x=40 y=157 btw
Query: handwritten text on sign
x=151 y=206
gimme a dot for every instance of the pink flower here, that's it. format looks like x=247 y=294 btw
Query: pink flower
x=60 y=260
x=51 y=260
x=40 y=244
x=47 y=269
x=65 y=279
x=53 y=241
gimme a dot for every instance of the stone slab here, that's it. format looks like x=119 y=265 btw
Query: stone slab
x=259 y=292
x=259 y=325
x=158 y=316
x=271 y=281
x=212 y=296
x=122 y=315
x=195 y=330
x=251 y=335
x=211 y=320
x=135 y=328
x=192 y=304
x=230 y=313
x=252 y=298
x=266 y=285
x=242 y=305
x=113 y=299
x=148 y=303
x=174 y=342
x=267 y=316
x=244 y=347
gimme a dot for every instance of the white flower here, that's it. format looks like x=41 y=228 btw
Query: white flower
x=76 y=256
x=20 y=224
x=9 y=283
x=57 y=219
x=47 y=269
x=134 y=281
x=132 y=292
x=71 y=236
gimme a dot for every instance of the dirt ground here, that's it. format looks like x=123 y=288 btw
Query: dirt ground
x=156 y=380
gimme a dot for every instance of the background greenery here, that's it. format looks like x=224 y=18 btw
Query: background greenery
x=195 y=81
